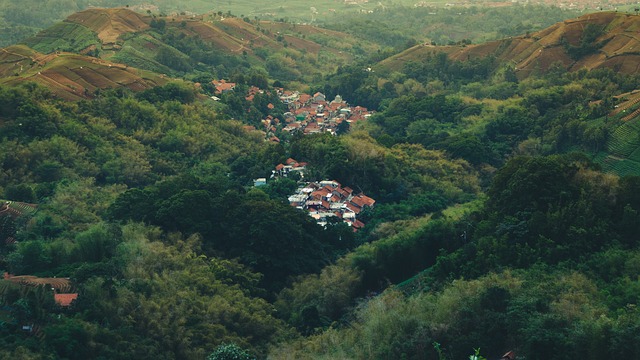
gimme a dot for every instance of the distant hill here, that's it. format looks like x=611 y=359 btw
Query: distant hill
x=105 y=48
x=597 y=40
x=70 y=76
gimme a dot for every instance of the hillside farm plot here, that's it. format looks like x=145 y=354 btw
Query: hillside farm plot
x=625 y=139
x=110 y=24
x=619 y=166
x=63 y=36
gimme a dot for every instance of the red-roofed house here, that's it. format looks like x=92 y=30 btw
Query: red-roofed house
x=353 y=208
x=365 y=200
x=319 y=97
x=357 y=225
x=222 y=86
x=304 y=99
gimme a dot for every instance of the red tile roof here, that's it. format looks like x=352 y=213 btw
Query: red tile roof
x=358 y=224
x=353 y=208
x=366 y=200
x=304 y=98
x=319 y=194
x=223 y=85
x=64 y=299
x=362 y=200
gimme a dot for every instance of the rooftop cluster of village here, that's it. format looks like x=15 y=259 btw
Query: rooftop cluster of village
x=313 y=114
x=324 y=199
x=309 y=114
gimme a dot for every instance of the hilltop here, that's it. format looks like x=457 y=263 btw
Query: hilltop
x=593 y=41
x=107 y=43
x=70 y=76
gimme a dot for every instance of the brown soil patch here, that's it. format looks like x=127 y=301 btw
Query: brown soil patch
x=110 y=24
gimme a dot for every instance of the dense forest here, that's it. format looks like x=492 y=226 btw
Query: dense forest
x=506 y=215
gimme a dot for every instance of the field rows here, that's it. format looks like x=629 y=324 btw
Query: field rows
x=625 y=139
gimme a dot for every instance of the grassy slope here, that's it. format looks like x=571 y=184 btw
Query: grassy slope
x=538 y=51
x=63 y=36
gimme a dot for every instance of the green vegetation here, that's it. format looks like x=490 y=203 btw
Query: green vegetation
x=506 y=215
x=406 y=25
x=64 y=37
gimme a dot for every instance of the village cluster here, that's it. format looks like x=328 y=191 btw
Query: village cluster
x=309 y=114
x=312 y=114
x=324 y=199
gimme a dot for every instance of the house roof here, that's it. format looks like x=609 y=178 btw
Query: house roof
x=223 y=85
x=304 y=98
x=318 y=194
x=358 y=224
x=353 y=208
x=279 y=167
x=366 y=200
x=64 y=299
x=362 y=201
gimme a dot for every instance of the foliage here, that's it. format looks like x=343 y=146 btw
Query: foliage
x=64 y=37
x=230 y=352
x=145 y=203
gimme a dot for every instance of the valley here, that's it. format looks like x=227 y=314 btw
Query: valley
x=366 y=180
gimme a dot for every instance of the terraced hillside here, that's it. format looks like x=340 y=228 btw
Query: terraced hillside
x=9 y=212
x=108 y=48
x=598 y=40
x=70 y=76
x=110 y=24
x=623 y=146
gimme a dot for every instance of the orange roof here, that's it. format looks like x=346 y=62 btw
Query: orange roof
x=358 y=224
x=353 y=208
x=279 y=167
x=304 y=98
x=318 y=194
x=362 y=200
x=64 y=299
x=366 y=200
